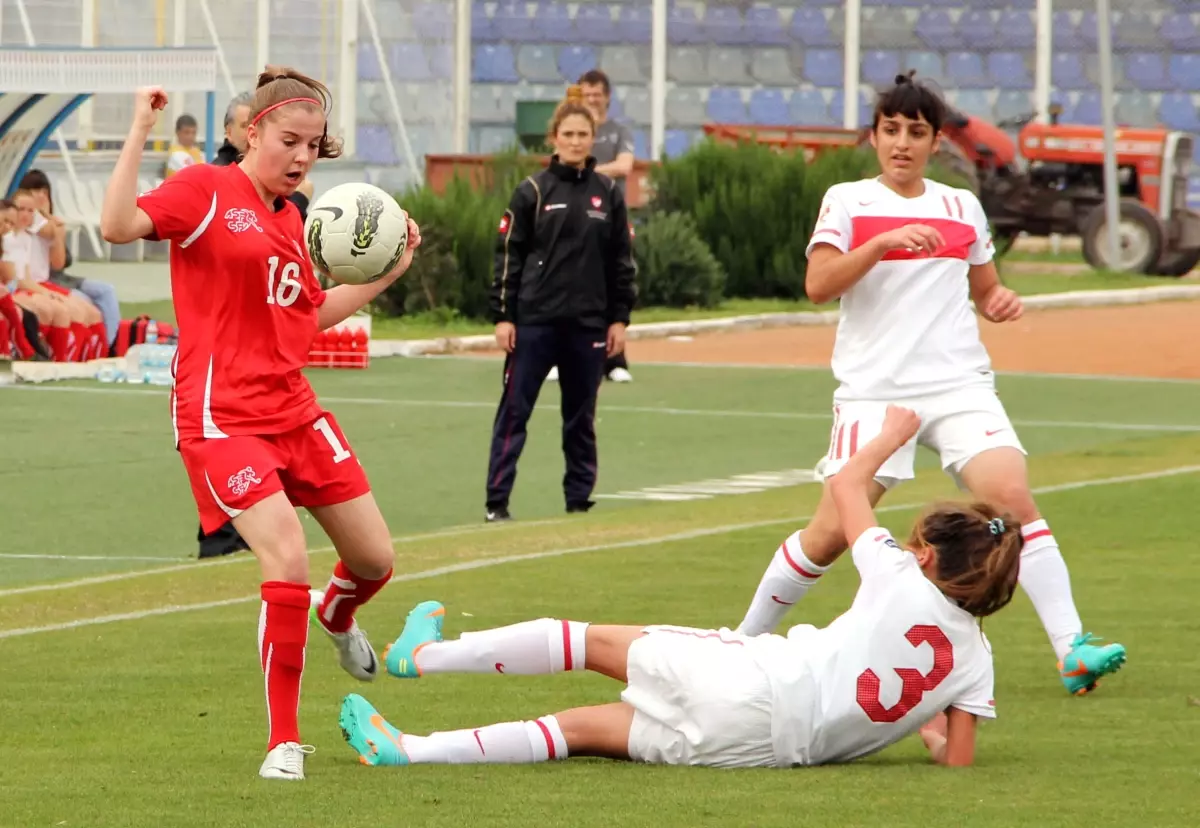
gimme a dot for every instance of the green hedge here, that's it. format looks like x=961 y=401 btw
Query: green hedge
x=727 y=220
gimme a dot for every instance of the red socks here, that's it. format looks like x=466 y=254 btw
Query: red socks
x=59 y=338
x=282 y=636
x=345 y=594
x=12 y=317
x=99 y=341
x=80 y=345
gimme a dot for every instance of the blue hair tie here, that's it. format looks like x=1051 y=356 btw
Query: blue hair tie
x=997 y=526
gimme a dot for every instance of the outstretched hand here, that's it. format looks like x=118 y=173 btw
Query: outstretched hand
x=410 y=248
x=147 y=103
x=1002 y=305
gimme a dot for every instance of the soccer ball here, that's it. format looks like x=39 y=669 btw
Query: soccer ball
x=356 y=233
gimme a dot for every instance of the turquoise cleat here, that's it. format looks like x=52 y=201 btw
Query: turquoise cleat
x=1082 y=668
x=375 y=741
x=423 y=626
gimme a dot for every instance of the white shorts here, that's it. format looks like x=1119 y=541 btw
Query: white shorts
x=700 y=698
x=958 y=425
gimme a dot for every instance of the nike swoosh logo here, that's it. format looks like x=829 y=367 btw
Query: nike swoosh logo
x=479 y=742
x=337 y=211
x=865 y=203
x=499 y=667
x=994 y=432
x=785 y=603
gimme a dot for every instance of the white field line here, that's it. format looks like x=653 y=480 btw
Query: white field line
x=486 y=563
x=649 y=409
x=16 y=556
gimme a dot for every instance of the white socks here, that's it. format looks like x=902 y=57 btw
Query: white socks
x=507 y=743
x=1046 y=581
x=788 y=577
x=531 y=648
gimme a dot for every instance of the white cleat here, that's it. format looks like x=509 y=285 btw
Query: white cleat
x=620 y=375
x=553 y=375
x=354 y=651
x=285 y=761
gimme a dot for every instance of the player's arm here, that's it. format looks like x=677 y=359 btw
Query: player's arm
x=622 y=269
x=121 y=219
x=956 y=747
x=515 y=234
x=343 y=301
x=850 y=488
x=993 y=300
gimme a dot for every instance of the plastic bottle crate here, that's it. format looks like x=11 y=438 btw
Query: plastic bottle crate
x=345 y=346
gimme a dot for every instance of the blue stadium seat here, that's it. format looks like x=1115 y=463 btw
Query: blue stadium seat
x=725 y=106
x=966 y=70
x=1185 y=72
x=408 y=62
x=552 y=23
x=764 y=27
x=1147 y=70
x=1088 y=110
x=633 y=25
x=938 y=31
x=683 y=27
x=927 y=65
x=880 y=68
x=1180 y=33
x=595 y=24
x=810 y=28
x=676 y=142
x=837 y=103
x=374 y=145
x=1012 y=103
x=823 y=67
x=1008 y=70
x=1088 y=33
x=538 y=64
x=1016 y=30
x=368 y=63
x=1065 y=34
x=974 y=102
x=685 y=106
x=511 y=22
x=808 y=107
x=494 y=63
x=616 y=109
x=433 y=21
x=977 y=30
x=1066 y=71
x=723 y=25
x=641 y=144
x=769 y=107
x=1178 y=111
x=441 y=60
x=573 y=61
x=483 y=29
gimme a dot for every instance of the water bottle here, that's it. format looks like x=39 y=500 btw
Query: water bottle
x=151 y=332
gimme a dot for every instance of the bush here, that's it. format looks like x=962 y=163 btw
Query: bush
x=675 y=266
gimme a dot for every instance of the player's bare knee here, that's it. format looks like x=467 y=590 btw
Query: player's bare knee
x=607 y=649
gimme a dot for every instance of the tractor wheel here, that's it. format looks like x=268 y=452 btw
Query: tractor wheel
x=1178 y=262
x=1140 y=238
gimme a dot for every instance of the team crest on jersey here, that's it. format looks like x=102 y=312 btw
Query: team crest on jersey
x=240 y=482
x=504 y=223
x=240 y=220
x=596 y=202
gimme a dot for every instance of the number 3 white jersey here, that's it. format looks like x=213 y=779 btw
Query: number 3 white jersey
x=907 y=327
x=902 y=653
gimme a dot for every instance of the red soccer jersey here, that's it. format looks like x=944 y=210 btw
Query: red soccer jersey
x=246 y=301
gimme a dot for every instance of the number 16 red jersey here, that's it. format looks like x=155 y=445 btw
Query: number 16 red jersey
x=246 y=302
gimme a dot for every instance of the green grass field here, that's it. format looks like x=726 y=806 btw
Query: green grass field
x=131 y=693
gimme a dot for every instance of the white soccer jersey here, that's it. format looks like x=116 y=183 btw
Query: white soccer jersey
x=907 y=327
x=902 y=653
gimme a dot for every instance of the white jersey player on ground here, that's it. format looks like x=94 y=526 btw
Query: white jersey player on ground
x=906 y=256
x=907 y=650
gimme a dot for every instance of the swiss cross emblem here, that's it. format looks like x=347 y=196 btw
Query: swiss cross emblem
x=240 y=220
x=240 y=482
x=596 y=202
x=504 y=223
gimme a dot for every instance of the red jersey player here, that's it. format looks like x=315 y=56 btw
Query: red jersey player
x=908 y=655
x=253 y=438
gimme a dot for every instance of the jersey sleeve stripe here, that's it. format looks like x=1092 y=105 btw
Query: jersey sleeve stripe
x=207 y=220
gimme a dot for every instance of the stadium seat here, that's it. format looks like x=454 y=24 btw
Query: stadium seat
x=823 y=67
x=807 y=107
x=837 y=104
x=977 y=30
x=974 y=102
x=1179 y=33
x=641 y=144
x=1066 y=71
x=511 y=22
x=1016 y=30
x=485 y=105
x=496 y=139
x=723 y=25
x=772 y=67
x=538 y=64
x=408 y=62
x=433 y=21
x=369 y=98
x=616 y=110
x=1177 y=110
x=1091 y=68
x=1185 y=72
x=374 y=145
x=728 y=67
x=552 y=23
x=636 y=103
x=494 y=63
x=483 y=29
x=966 y=71
x=623 y=65
x=676 y=142
x=1136 y=109
x=888 y=28
x=880 y=68
x=1065 y=33
x=685 y=64
x=368 y=63
x=769 y=107
x=573 y=61
x=595 y=24
x=683 y=27
x=1089 y=33
x=927 y=65
x=1087 y=109
x=937 y=31
x=441 y=60
x=811 y=28
x=685 y=106
x=1148 y=71
x=1008 y=70
x=764 y=27
x=1136 y=30
x=1012 y=103
x=725 y=106
x=633 y=25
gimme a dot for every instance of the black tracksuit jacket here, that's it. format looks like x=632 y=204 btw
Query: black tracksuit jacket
x=565 y=252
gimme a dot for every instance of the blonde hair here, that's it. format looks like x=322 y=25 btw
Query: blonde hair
x=572 y=104
x=280 y=85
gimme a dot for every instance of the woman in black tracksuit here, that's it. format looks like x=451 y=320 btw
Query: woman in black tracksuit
x=563 y=290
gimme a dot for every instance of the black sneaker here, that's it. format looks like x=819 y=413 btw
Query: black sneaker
x=498 y=514
x=579 y=508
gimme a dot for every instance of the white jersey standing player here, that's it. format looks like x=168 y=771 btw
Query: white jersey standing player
x=906 y=256
x=907 y=655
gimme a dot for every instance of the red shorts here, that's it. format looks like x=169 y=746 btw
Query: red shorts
x=55 y=288
x=313 y=465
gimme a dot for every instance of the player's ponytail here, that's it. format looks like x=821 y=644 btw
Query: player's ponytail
x=280 y=86
x=572 y=104
x=978 y=554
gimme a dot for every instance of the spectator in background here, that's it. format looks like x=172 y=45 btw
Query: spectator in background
x=564 y=287
x=184 y=152
x=14 y=340
x=100 y=294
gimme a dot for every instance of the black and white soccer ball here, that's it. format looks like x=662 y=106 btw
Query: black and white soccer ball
x=356 y=233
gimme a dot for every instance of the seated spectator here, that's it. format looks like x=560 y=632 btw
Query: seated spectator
x=32 y=247
x=19 y=325
x=100 y=294
x=184 y=152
